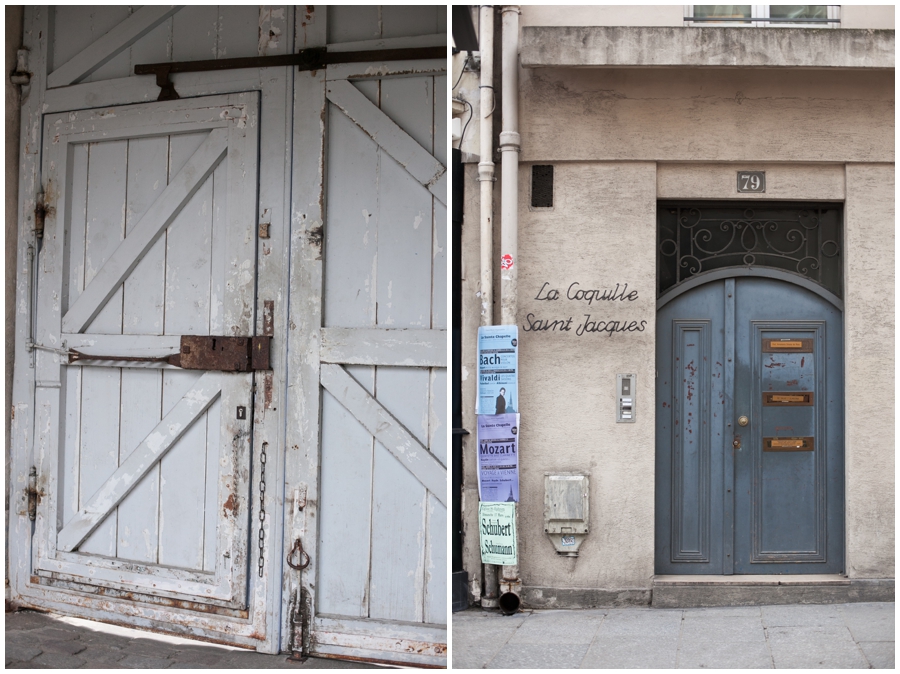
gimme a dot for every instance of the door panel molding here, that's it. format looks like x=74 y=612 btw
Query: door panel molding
x=818 y=553
x=691 y=518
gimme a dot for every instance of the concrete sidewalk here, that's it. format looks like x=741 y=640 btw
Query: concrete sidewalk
x=41 y=641
x=859 y=636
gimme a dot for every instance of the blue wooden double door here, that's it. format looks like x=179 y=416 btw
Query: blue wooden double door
x=749 y=429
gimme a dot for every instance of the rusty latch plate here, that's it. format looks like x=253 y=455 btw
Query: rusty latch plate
x=788 y=444
x=224 y=354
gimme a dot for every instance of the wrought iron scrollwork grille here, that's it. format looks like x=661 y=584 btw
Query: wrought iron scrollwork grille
x=696 y=238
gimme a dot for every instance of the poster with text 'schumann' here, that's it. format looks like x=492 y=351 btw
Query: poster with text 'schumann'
x=498 y=369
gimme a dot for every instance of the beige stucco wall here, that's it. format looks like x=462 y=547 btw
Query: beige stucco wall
x=619 y=140
x=696 y=114
x=869 y=367
x=602 y=15
x=867 y=16
x=852 y=16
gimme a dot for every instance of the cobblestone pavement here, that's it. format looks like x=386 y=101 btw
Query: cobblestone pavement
x=835 y=636
x=41 y=641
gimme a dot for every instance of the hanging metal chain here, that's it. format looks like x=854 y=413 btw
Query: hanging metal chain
x=262 y=506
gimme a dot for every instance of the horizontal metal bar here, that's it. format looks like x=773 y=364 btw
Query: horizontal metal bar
x=757 y=19
x=306 y=59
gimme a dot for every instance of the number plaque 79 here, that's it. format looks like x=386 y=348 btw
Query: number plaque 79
x=751 y=181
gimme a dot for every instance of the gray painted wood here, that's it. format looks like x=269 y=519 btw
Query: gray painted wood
x=152 y=448
x=384 y=346
x=164 y=210
x=380 y=423
x=294 y=239
x=118 y=38
x=408 y=153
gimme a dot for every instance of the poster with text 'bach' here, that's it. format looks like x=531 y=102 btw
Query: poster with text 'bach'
x=498 y=457
x=498 y=369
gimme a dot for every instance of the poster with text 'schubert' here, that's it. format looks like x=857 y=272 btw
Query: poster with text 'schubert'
x=498 y=369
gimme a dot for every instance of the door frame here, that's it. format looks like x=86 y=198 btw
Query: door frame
x=729 y=274
x=259 y=631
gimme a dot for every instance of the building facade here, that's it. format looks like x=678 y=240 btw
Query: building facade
x=704 y=257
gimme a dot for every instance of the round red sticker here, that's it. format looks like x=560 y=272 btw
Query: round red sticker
x=506 y=262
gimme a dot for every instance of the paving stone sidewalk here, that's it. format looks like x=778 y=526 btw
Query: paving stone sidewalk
x=834 y=636
x=41 y=641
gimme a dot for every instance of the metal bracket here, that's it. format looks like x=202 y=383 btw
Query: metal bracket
x=314 y=58
x=21 y=75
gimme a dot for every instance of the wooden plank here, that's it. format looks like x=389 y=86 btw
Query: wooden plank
x=195 y=31
x=411 y=42
x=436 y=572
x=306 y=217
x=386 y=429
x=352 y=231
x=403 y=20
x=159 y=216
x=183 y=471
x=150 y=346
x=152 y=448
x=101 y=387
x=345 y=497
x=384 y=346
x=398 y=536
x=418 y=161
x=103 y=49
x=385 y=70
x=348 y=23
x=137 y=530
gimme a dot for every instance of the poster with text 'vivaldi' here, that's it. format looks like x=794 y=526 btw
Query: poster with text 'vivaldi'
x=498 y=369
x=498 y=457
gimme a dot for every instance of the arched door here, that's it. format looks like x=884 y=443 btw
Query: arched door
x=749 y=429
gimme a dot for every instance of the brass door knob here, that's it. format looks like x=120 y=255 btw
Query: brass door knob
x=743 y=421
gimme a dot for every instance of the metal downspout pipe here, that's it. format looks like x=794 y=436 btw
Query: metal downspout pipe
x=510 y=582
x=486 y=177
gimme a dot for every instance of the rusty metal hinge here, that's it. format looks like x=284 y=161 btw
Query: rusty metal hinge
x=314 y=58
x=301 y=610
x=32 y=493
x=40 y=213
x=198 y=352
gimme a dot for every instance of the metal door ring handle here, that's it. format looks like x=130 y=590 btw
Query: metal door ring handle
x=298 y=547
x=743 y=421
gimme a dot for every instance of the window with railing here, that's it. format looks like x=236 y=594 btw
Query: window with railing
x=808 y=16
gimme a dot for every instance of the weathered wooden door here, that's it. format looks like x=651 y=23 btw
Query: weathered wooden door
x=374 y=523
x=749 y=453
x=145 y=468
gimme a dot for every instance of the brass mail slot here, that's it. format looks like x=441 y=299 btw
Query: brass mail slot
x=787 y=345
x=788 y=444
x=801 y=399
